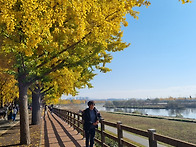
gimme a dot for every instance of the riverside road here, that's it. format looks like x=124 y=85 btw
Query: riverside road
x=141 y=140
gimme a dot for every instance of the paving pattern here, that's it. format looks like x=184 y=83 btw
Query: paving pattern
x=56 y=132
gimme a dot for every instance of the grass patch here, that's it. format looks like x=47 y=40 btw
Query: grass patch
x=113 y=143
x=185 y=131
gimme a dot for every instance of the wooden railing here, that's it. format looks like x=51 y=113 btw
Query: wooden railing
x=75 y=120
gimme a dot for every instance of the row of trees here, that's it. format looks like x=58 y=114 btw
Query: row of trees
x=77 y=101
x=167 y=103
x=132 y=103
x=66 y=102
x=54 y=47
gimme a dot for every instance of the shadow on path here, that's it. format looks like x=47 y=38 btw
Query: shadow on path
x=12 y=145
x=68 y=134
x=60 y=142
x=46 y=139
x=2 y=122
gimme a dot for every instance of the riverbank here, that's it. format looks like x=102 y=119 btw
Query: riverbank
x=176 y=129
x=157 y=117
x=139 y=107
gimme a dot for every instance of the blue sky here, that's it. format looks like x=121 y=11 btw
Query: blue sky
x=161 y=60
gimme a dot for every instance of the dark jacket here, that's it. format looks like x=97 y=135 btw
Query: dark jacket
x=87 y=119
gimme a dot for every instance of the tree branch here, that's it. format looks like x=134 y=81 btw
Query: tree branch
x=64 y=50
x=59 y=66
x=73 y=45
x=47 y=90
x=30 y=89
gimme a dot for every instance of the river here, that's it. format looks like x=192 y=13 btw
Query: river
x=185 y=113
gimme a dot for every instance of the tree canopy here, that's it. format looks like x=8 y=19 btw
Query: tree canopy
x=40 y=39
x=45 y=36
x=8 y=89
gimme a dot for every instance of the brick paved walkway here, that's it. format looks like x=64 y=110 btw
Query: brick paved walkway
x=56 y=132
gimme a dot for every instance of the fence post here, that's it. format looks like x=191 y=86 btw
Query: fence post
x=119 y=132
x=60 y=113
x=102 y=133
x=152 y=141
x=68 y=117
x=83 y=129
x=78 y=122
x=64 y=114
x=74 y=125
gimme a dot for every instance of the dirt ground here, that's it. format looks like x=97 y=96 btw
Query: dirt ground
x=12 y=136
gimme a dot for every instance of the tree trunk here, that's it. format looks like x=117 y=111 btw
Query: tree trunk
x=2 y=102
x=36 y=115
x=24 y=117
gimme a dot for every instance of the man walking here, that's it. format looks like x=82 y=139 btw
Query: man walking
x=91 y=118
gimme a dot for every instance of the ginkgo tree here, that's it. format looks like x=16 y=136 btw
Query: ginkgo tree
x=8 y=89
x=42 y=36
x=57 y=83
